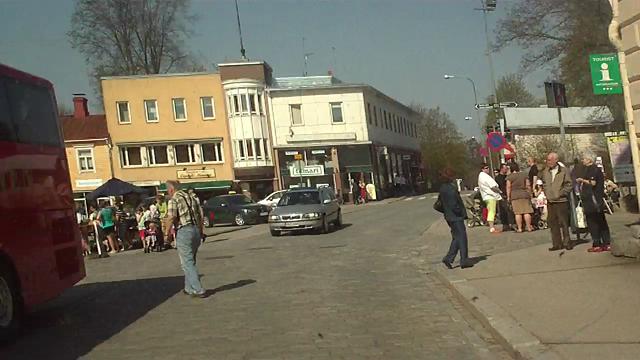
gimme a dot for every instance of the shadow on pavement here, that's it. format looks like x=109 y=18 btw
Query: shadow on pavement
x=221 y=257
x=235 y=285
x=85 y=316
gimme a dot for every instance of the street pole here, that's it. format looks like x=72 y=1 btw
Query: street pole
x=563 y=149
x=614 y=37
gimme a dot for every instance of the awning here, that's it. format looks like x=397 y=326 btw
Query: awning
x=202 y=185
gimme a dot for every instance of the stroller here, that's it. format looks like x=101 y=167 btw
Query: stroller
x=475 y=209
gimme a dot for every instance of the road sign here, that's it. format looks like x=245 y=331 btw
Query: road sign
x=497 y=142
x=297 y=156
x=496 y=105
x=605 y=74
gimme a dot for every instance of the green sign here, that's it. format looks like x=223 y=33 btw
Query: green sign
x=605 y=74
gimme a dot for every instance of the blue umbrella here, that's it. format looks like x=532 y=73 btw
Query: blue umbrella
x=115 y=187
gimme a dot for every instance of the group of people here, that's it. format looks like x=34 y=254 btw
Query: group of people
x=515 y=193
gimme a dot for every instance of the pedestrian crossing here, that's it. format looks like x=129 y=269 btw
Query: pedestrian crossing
x=420 y=198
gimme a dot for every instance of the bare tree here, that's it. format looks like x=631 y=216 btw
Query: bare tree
x=130 y=37
x=511 y=87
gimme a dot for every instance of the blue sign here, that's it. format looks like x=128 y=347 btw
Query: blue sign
x=496 y=142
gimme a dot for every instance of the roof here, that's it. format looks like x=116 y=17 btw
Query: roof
x=296 y=82
x=90 y=128
x=148 y=76
x=547 y=118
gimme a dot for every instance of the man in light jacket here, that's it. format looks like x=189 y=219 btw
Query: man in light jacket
x=557 y=182
x=490 y=192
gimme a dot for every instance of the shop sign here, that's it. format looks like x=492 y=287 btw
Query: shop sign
x=317 y=152
x=308 y=170
x=89 y=183
x=196 y=174
x=291 y=153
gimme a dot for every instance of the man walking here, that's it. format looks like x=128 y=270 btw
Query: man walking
x=557 y=183
x=490 y=192
x=183 y=212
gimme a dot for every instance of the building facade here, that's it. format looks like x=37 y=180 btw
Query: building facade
x=88 y=149
x=170 y=126
x=630 y=29
x=327 y=133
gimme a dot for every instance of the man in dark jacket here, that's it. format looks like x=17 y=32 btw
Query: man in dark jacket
x=557 y=186
x=455 y=214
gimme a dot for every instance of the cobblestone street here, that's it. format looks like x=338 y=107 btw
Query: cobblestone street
x=356 y=293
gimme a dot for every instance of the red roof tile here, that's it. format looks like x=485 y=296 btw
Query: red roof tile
x=91 y=127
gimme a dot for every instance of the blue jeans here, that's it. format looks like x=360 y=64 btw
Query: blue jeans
x=188 y=240
x=458 y=242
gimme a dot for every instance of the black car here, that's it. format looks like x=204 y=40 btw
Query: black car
x=234 y=209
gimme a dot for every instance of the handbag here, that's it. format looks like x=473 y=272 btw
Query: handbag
x=581 y=221
x=437 y=206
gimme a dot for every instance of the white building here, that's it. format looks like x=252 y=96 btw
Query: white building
x=342 y=132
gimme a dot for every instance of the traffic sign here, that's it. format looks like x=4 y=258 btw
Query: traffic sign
x=605 y=74
x=496 y=142
x=496 y=105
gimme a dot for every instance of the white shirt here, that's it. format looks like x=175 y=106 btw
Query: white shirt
x=486 y=183
x=554 y=172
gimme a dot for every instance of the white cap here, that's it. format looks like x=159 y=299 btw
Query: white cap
x=539 y=182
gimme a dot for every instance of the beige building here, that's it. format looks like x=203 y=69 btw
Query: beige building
x=169 y=126
x=87 y=146
x=630 y=28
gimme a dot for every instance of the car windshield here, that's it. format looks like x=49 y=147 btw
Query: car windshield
x=239 y=200
x=300 y=198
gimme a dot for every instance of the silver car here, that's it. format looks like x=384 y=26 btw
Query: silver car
x=306 y=209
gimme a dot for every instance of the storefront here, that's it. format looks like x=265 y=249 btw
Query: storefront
x=307 y=167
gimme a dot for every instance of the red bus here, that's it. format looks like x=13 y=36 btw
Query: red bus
x=40 y=246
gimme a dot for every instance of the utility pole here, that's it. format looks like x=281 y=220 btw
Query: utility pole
x=614 y=37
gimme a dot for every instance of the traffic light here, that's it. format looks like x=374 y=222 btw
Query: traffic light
x=556 y=94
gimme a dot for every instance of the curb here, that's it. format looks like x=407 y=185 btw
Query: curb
x=519 y=342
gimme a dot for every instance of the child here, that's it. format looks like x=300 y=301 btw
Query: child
x=150 y=237
x=541 y=200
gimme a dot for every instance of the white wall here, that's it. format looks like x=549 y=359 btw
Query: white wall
x=379 y=134
x=317 y=124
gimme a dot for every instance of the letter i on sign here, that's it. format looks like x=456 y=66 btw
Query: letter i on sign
x=604 y=70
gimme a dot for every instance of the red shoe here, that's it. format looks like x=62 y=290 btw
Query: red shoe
x=596 y=249
x=606 y=248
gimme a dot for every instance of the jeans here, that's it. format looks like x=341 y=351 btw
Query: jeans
x=458 y=242
x=188 y=240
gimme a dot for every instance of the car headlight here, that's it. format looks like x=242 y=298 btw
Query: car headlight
x=311 y=216
x=274 y=217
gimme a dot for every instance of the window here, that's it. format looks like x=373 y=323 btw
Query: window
x=386 y=121
x=296 y=114
x=336 y=112
x=258 y=147
x=157 y=155
x=252 y=103
x=151 y=110
x=185 y=154
x=260 y=111
x=179 y=109
x=211 y=152
x=124 y=116
x=206 y=104
x=236 y=106
x=243 y=103
x=267 y=151
x=130 y=156
x=375 y=116
x=249 y=148
x=85 y=160
x=369 y=114
x=395 y=123
x=240 y=153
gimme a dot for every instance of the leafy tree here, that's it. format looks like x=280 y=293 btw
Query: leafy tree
x=559 y=36
x=131 y=37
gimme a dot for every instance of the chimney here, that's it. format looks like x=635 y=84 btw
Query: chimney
x=80 y=109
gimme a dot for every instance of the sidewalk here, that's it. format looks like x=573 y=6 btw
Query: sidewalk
x=552 y=305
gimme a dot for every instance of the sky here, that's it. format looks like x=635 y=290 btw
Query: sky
x=401 y=47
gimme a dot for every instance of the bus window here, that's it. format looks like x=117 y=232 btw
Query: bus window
x=7 y=132
x=34 y=114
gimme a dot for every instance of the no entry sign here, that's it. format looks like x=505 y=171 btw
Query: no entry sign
x=496 y=142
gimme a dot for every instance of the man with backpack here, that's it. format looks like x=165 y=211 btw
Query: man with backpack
x=184 y=214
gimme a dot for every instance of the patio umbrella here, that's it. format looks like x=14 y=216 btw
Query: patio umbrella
x=115 y=187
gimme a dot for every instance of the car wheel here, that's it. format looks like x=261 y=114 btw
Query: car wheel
x=239 y=220
x=206 y=222
x=338 y=222
x=10 y=304
x=275 y=233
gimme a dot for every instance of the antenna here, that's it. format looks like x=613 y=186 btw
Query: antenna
x=306 y=62
x=333 y=55
x=242 y=50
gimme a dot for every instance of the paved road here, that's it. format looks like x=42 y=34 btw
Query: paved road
x=356 y=293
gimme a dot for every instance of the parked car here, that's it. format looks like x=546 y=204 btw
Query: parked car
x=234 y=209
x=272 y=199
x=306 y=209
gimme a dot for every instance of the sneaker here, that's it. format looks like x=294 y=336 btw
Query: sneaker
x=494 y=231
x=198 y=295
x=112 y=252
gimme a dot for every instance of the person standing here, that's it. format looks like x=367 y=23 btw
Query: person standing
x=490 y=192
x=557 y=182
x=363 y=191
x=533 y=170
x=504 y=210
x=592 y=195
x=519 y=195
x=106 y=223
x=455 y=214
x=184 y=215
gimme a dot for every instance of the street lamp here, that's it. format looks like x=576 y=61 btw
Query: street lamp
x=467 y=118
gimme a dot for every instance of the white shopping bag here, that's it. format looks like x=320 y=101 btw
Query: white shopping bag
x=581 y=221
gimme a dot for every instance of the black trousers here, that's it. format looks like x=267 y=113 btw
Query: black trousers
x=459 y=242
x=506 y=215
x=558 y=220
x=598 y=228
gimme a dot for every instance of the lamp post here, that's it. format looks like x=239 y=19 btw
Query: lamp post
x=475 y=98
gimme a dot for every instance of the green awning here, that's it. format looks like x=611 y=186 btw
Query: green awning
x=202 y=185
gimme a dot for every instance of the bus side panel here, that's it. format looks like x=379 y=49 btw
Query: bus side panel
x=39 y=232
